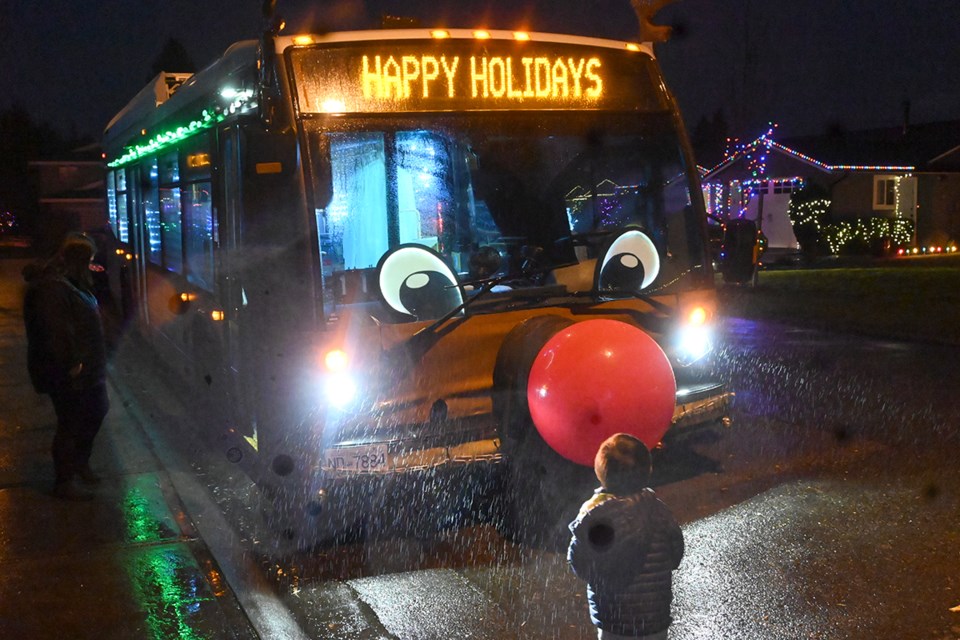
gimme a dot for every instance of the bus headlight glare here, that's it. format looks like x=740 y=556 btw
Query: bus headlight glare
x=340 y=389
x=695 y=342
x=336 y=360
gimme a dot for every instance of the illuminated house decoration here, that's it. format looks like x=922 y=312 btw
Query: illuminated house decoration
x=609 y=197
x=907 y=174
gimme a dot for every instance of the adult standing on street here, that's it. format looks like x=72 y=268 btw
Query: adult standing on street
x=66 y=358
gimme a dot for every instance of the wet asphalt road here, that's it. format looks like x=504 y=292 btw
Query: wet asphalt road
x=829 y=510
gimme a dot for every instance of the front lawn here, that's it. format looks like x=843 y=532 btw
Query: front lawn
x=905 y=298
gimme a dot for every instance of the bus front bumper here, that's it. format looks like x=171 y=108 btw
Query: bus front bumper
x=702 y=404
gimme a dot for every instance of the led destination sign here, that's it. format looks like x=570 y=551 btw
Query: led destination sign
x=489 y=77
x=463 y=76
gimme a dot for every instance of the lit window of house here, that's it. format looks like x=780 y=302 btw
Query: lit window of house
x=884 y=192
x=787 y=185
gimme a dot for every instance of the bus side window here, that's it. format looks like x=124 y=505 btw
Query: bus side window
x=151 y=210
x=123 y=221
x=170 y=213
x=200 y=234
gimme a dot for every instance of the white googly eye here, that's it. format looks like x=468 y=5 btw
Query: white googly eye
x=415 y=280
x=630 y=264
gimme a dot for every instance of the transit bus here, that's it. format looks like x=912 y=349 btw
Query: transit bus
x=419 y=267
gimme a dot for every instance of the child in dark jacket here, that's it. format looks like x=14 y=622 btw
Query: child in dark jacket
x=625 y=545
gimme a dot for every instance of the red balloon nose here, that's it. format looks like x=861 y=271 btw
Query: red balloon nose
x=597 y=378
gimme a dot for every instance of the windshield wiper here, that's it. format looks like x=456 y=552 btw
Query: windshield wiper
x=486 y=287
x=467 y=302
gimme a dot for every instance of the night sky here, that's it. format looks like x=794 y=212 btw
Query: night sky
x=809 y=65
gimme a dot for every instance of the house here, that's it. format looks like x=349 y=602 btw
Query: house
x=71 y=196
x=908 y=173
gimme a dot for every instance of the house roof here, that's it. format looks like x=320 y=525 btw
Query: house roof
x=915 y=145
x=923 y=147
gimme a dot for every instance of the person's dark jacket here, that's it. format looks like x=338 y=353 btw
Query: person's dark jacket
x=64 y=330
x=626 y=549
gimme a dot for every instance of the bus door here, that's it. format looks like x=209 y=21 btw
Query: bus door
x=230 y=282
x=137 y=241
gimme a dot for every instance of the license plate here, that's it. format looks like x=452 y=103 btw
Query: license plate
x=372 y=458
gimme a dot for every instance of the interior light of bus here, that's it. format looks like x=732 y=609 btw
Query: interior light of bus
x=198 y=160
x=216 y=315
x=633 y=47
x=439 y=34
x=521 y=35
x=269 y=167
x=480 y=34
x=302 y=40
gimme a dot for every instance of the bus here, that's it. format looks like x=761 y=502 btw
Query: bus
x=419 y=271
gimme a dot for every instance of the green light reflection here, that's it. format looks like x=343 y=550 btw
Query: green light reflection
x=167 y=584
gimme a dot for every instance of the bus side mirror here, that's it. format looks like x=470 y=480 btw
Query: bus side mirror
x=740 y=252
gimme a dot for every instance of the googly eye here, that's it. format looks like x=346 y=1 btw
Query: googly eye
x=415 y=281
x=631 y=263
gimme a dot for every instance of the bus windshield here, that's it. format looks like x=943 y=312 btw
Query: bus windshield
x=512 y=196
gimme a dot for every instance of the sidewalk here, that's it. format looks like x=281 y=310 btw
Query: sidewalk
x=127 y=565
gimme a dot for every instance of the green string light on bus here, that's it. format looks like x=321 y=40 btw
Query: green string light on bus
x=208 y=118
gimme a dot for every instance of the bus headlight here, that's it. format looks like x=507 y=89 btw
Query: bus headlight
x=695 y=337
x=694 y=342
x=340 y=389
x=339 y=386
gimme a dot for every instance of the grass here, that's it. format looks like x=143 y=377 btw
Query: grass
x=905 y=298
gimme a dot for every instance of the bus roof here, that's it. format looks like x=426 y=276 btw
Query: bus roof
x=284 y=42
x=146 y=104
x=166 y=93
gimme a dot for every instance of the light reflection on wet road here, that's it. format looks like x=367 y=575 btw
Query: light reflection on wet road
x=123 y=565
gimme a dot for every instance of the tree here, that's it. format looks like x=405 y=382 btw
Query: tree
x=709 y=138
x=18 y=144
x=21 y=141
x=172 y=59
x=809 y=212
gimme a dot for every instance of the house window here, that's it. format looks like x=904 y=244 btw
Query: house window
x=884 y=192
x=712 y=197
x=787 y=185
x=68 y=176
